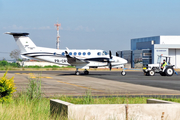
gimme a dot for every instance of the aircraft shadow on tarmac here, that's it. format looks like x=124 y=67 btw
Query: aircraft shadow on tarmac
x=82 y=74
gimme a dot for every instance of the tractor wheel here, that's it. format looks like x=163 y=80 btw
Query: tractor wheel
x=151 y=73
x=169 y=71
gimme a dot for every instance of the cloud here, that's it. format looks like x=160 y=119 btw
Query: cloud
x=79 y=27
x=87 y=29
x=68 y=28
x=14 y=27
x=43 y=28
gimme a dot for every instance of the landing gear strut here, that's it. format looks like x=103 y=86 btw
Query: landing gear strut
x=86 y=72
x=77 y=72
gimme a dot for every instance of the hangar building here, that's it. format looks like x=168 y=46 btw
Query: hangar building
x=146 y=50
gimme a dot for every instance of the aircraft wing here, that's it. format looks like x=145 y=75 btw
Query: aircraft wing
x=75 y=60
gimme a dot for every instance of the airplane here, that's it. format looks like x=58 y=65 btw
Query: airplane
x=81 y=59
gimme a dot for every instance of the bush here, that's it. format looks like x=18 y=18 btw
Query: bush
x=34 y=89
x=4 y=63
x=7 y=87
x=15 y=64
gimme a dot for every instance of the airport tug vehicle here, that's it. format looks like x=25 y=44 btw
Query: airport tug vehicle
x=167 y=70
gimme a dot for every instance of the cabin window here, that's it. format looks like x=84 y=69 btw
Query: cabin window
x=70 y=53
x=99 y=53
x=79 y=53
x=63 y=53
x=84 y=53
x=89 y=53
x=75 y=53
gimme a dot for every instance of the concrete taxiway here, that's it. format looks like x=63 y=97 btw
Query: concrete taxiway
x=100 y=83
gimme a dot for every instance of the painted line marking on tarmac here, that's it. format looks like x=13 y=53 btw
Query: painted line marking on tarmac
x=23 y=73
x=32 y=75
x=41 y=77
x=79 y=86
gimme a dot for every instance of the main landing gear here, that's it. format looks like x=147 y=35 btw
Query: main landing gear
x=86 y=72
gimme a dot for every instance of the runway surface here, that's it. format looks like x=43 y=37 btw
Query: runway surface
x=101 y=83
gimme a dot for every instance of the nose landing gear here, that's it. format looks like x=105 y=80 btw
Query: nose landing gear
x=123 y=73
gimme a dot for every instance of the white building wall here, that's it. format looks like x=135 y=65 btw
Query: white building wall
x=169 y=39
x=172 y=50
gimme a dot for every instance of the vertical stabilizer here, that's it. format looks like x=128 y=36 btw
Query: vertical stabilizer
x=23 y=41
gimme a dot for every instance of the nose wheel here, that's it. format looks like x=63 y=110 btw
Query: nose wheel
x=123 y=73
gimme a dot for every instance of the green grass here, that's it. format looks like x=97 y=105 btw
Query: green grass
x=30 y=105
x=23 y=108
x=104 y=100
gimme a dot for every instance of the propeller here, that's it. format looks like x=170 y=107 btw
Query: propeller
x=110 y=55
x=109 y=61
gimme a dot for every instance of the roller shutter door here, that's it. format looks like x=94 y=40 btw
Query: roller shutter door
x=172 y=54
x=175 y=57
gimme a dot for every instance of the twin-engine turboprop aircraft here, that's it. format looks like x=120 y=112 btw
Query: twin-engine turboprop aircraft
x=84 y=59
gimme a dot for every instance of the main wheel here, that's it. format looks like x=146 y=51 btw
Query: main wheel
x=169 y=71
x=77 y=73
x=86 y=72
x=151 y=73
x=123 y=73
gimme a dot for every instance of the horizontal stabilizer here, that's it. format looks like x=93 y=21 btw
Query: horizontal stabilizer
x=17 y=34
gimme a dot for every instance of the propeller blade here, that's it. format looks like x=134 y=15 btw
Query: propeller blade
x=66 y=53
x=110 y=55
x=110 y=66
x=117 y=54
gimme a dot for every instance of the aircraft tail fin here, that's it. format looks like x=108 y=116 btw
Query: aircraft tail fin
x=23 y=41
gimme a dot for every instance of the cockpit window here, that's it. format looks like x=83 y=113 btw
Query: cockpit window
x=104 y=53
x=99 y=53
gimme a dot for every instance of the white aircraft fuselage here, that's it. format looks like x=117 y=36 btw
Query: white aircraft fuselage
x=80 y=58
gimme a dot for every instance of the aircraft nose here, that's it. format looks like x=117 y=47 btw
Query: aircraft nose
x=123 y=61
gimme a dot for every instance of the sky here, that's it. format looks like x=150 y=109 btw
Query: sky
x=87 y=24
